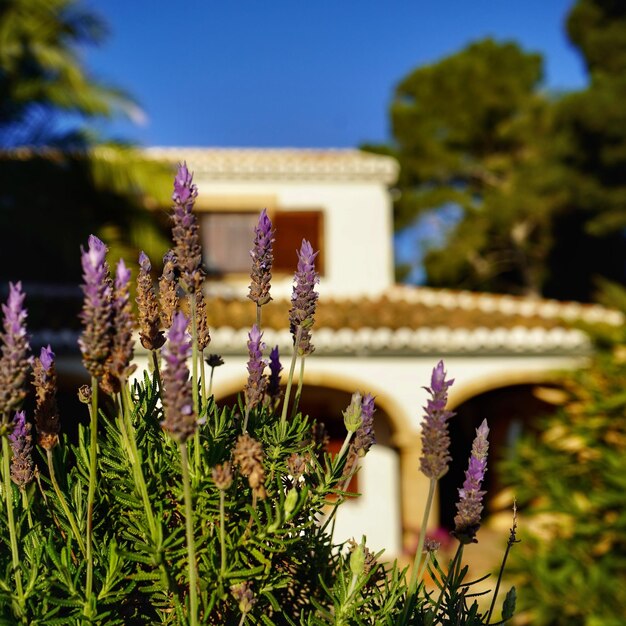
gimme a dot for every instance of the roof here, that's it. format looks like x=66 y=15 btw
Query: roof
x=419 y=321
x=282 y=163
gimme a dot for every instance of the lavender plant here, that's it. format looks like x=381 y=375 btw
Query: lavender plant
x=171 y=509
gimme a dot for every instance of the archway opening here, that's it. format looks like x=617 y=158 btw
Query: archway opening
x=510 y=411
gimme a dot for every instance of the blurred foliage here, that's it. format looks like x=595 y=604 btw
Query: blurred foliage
x=539 y=178
x=59 y=181
x=570 y=480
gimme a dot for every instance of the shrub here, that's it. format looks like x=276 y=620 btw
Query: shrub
x=570 y=479
x=169 y=509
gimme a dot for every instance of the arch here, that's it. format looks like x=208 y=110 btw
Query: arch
x=510 y=410
x=385 y=402
x=463 y=392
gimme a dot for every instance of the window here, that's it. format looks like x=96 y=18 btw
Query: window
x=291 y=228
x=226 y=241
x=227 y=238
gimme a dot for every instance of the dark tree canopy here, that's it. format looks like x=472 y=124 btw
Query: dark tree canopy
x=540 y=180
x=59 y=181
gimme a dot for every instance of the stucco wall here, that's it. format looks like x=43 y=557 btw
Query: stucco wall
x=358 y=232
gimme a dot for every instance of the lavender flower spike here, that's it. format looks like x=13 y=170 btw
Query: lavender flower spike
x=95 y=342
x=185 y=231
x=118 y=366
x=151 y=336
x=15 y=352
x=21 y=446
x=304 y=299
x=470 y=504
x=46 y=414
x=364 y=437
x=435 y=439
x=273 y=392
x=180 y=420
x=262 y=260
x=257 y=382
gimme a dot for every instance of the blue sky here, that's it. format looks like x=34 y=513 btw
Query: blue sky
x=316 y=73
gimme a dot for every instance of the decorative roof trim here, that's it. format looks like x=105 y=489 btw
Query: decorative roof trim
x=409 y=342
x=282 y=163
x=507 y=305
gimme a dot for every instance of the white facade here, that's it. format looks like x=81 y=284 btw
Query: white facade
x=350 y=189
x=347 y=186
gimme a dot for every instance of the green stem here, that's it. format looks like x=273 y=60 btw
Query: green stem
x=452 y=573
x=258 y=316
x=8 y=496
x=128 y=433
x=68 y=514
x=296 y=400
x=156 y=369
x=194 y=378
x=509 y=544
x=191 y=548
x=26 y=505
x=93 y=469
x=340 y=499
x=202 y=378
x=420 y=545
x=222 y=535
x=211 y=383
x=283 y=417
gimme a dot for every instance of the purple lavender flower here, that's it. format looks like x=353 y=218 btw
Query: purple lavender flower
x=262 y=259
x=15 y=352
x=273 y=391
x=470 y=504
x=118 y=366
x=185 y=231
x=304 y=299
x=364 y=437
x=46 y=413
x=255 y=387
x=151 y=336
x=180 y=420
x=95 y=342
x=435 y=439
x=22 y=447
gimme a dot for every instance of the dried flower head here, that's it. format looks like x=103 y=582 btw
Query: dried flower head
x=214 y=360
x=248 y=455
x=168 y=290
x=262 y=260
x=364 y=437
x=304 y=299
x=202 y=321
x=15 y=353
x=223 y=475
x=273 y=391
x=47 y=419
x=185 y=231
x=180 y=420
x=21 y=446
x=152 y=338
x=118 y=366
x=95 y=341
x=255 y=387
x=84 y=394
x=244 y=596
x=435 y=439
x=297 y=465
x=470 y=503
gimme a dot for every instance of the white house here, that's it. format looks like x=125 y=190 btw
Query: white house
x=370 y=334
